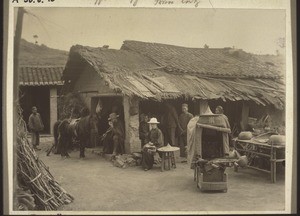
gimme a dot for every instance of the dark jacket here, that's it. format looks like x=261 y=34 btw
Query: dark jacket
x=156 y=137
x=143 y=130
x=118 y=129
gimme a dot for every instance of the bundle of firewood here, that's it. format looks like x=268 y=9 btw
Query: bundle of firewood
x=35 y=176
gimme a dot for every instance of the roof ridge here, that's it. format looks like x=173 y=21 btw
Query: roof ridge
x=41 y=66
x=173 y=45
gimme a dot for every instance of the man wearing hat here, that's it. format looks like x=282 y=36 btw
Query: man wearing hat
x=184 y=119
x=36 y=126
x=118 y=134
x=154 y=141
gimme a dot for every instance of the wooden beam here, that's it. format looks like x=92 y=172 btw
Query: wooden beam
x=244 y=116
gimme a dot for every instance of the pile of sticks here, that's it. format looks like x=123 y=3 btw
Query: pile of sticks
x=35 y=175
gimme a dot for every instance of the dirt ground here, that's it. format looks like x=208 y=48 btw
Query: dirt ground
x=99 y=186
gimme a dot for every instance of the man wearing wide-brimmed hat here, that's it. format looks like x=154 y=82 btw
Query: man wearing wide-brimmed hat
x=118 y=134
x=154 y=141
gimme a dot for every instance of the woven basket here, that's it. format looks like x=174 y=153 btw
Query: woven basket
x=245 y=135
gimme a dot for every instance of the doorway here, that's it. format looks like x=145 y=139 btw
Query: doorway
x=38 y=96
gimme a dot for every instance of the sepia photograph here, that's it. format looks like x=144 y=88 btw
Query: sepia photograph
x=177 y=107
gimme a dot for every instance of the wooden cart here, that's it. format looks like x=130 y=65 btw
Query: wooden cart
x=214 y=179
x=210 y=175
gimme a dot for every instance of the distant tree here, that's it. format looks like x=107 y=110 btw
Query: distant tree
x=35 y=38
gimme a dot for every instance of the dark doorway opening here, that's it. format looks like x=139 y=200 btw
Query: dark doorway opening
x=38 y=96
x=110 y=104
x=157 y=110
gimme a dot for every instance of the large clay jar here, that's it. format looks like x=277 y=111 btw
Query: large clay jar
x=277 y=140
x=245 y=135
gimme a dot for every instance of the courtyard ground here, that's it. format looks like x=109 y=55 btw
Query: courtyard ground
x=97 y=185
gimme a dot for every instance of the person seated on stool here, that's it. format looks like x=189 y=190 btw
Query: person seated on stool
x=154 y=141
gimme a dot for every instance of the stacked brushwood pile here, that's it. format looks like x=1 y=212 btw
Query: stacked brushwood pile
x=39 y=191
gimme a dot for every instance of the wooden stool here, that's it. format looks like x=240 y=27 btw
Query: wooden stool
x=167 y=154
x=169 y=158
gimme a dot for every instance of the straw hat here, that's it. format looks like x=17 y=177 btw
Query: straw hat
x=153 y=121
x=113 y=116
x=168 y=148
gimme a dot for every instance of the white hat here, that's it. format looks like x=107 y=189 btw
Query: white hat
x=153 y=121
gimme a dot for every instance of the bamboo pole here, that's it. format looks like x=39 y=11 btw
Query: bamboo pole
x=17 y=38
x=225 y=130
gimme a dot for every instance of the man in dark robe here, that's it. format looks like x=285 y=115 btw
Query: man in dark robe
x=184 y=119
x=171 y=122
x=154 y=141
x=118 y=134
x=143 y=129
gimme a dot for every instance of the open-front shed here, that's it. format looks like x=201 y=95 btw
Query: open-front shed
x=140 y=75
x=39 y=86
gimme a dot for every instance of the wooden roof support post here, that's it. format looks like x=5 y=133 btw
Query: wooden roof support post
x=126 y=121
x=53 y=107
x=131 y=119
x=245 y=115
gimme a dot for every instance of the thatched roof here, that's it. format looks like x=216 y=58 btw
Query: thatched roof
x=136 y=74
x=40 y=75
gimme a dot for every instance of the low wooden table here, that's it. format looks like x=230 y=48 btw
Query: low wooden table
x=253 y=149
x=167 y=153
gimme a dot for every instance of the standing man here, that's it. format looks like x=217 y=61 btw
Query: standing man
x=118 y=133
x=184 y=119
x=219 y=110
x=143 y=129
x=36 y=126
x=171 y=122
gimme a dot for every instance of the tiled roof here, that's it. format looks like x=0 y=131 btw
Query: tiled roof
x=223 y=62
x=40 y=75
x=131 y=73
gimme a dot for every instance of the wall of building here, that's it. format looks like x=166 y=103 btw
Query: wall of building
x=92 y=87
x=53 y=107
x=89 y=84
